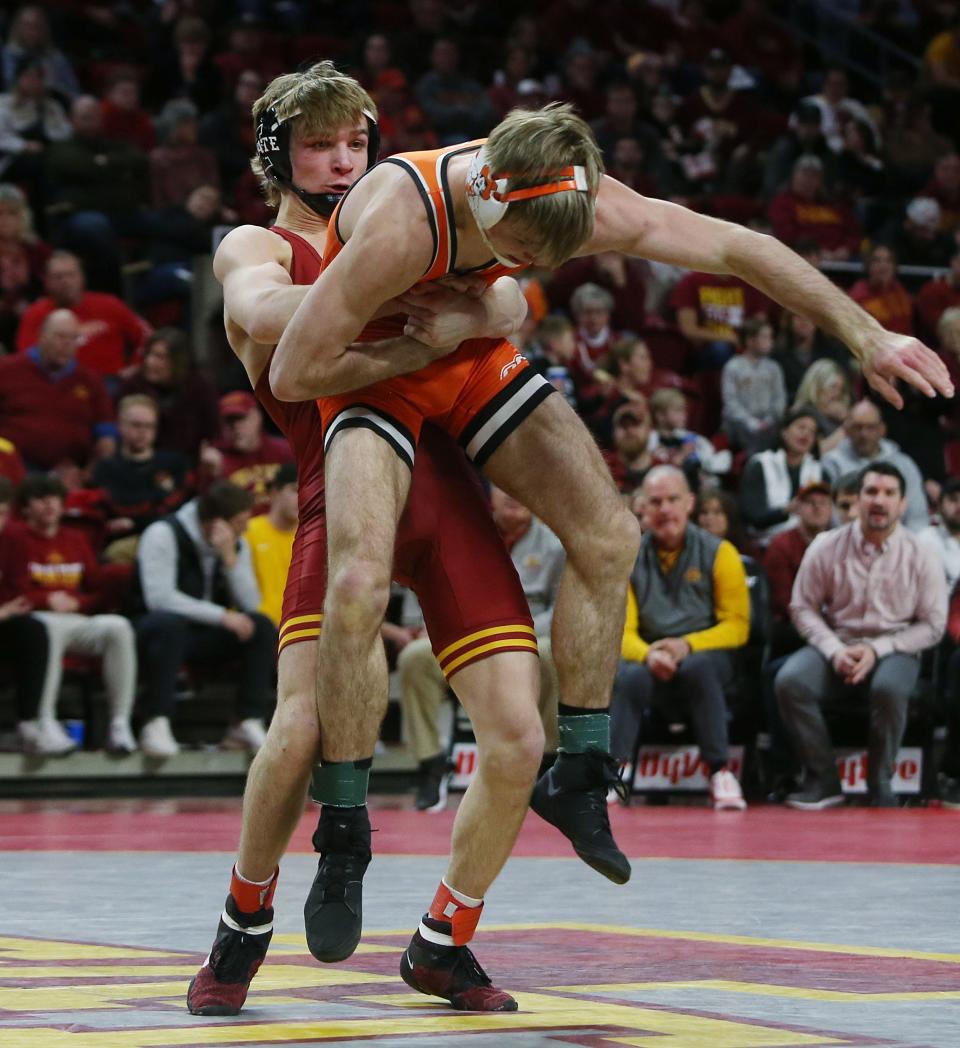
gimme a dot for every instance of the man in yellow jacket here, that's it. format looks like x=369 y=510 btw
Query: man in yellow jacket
x=688 y=610
x=270 y=537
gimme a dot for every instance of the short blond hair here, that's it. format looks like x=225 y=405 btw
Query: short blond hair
x=662 y=400
x=317 y=100
x=530 y=147
x=137 y=400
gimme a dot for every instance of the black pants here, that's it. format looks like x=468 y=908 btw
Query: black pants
x=24 y=649
x=165 y=641
x=951 y=757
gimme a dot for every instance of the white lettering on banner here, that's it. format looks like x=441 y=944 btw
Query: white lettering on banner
x=678 y=768
x=907 y=770
x=464 y=758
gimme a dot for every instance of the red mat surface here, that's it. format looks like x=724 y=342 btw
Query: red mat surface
x=851 y=835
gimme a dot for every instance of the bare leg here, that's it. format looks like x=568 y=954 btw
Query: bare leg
x=551 y=464
x=276 y=791
x=366 y=488
x=500 y=695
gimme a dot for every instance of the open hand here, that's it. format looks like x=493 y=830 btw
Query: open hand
x=890 y=357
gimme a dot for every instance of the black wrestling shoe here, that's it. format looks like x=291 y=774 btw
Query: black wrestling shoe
x=333 y=912
x=433 y=782
x=452 y=972
x=572 y=796
x=220 y=986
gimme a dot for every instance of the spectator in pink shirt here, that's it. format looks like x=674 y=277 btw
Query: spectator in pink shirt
x=868 y=599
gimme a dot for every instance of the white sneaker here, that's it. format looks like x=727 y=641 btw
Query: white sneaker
x=249 y=734
x=156 y=739
x=45 y=737
x=725 y=791
x=120 y=738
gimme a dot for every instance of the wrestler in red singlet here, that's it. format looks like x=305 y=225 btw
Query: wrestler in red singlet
x=448 y=550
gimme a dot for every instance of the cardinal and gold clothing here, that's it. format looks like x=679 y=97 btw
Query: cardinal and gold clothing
x=271 y=550
x=698 y=592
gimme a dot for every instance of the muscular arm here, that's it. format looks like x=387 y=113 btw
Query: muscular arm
x=665 y=232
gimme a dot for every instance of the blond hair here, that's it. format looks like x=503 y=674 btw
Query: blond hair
x=815 y=380
x=948 y=322
x=137 y=400
x=530 y=147
x=663 y=399
x=314 y=101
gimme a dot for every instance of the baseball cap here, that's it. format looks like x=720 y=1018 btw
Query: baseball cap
x=815 y=487
x=237 y=404
x=630 y=413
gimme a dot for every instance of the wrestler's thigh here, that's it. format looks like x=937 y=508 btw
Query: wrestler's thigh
x=551 y=464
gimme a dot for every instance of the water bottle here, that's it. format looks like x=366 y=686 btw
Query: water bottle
x=559 y=377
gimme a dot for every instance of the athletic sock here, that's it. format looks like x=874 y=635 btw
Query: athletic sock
x=252 y=896
x=583 y=729
x=341 y=784
x=452 y=918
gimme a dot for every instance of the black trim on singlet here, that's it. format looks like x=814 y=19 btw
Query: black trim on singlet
x=337 y=209
x=493 y=405
x=361 y=422
x=451 y=220
x=411 y=170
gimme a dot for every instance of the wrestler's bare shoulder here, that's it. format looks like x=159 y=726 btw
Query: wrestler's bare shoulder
x=386 y=189
x=250 y=246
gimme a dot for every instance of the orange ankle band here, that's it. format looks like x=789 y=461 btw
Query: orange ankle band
x=251 y=897
x=463 y=919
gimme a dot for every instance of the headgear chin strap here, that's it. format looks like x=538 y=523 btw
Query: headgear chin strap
x=273 y=149
x=489 y=197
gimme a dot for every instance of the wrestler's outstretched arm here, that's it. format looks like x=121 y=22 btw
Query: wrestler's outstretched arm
x=666 y=232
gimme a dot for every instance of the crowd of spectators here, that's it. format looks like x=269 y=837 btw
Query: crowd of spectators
x=125 y=140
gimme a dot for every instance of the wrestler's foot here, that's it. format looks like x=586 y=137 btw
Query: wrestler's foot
x=333 y=912
x=572 y=795
x=221 y=985
x=452 y=972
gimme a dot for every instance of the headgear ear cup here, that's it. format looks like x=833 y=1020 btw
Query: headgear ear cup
x=484 y=192
x=489 y=198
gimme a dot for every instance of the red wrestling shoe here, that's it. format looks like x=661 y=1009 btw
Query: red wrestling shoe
x=221 y=985
x=452 y=972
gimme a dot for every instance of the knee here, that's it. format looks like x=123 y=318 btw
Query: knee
x=697 y=670
x=609 y=547
x=888 y=698
x=793 y=688
x=164 y=627
x=515 y=755
x=118 y=629
x=294 y=733
x=358 y=595
x=415 y=660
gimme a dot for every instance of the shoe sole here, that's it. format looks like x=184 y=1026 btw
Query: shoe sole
x=827 y=802
x=951 y=805
x=210 y=1009
x=729 y=805
x=617 y=874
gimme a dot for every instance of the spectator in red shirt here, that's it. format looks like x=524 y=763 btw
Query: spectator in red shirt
x=631 y=456
x=111 y=334
x=936 y=296
x=711 y=309
x=802 y=212
x=244 y=454
x=53 y=409
x=944 y=187
x=59 y=576
x=11 y=465
x=882 y=295
x=814 y=508
x=123 y=119
x=23 y=643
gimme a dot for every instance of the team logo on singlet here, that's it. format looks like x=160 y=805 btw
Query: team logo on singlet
x=512 y=366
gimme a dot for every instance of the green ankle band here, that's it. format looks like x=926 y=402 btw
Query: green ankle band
x=341 y=783
x=581 y=733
